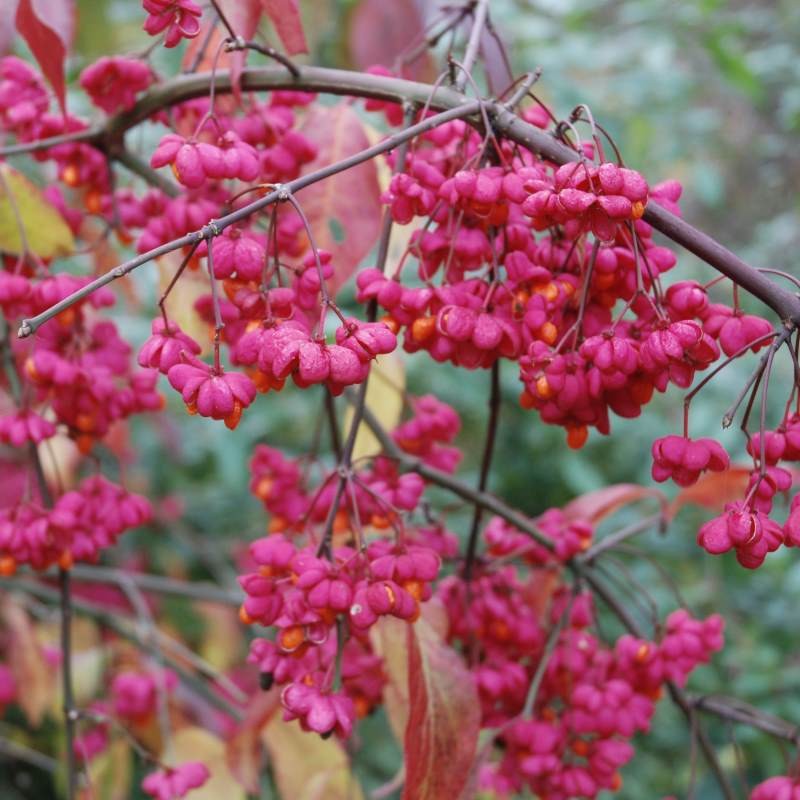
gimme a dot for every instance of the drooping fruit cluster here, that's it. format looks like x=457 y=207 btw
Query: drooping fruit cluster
x=745 y=525
x=552 y=267
x=74 y=378
x=324 y=596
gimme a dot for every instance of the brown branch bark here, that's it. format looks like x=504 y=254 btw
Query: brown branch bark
x=453 y=104
x=480 y=15
x=280 y=193
x=738 y=711
x=110 y=138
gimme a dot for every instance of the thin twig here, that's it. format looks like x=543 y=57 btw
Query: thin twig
x=159 y=584
x=19 y=752
x=727 y=417
x=125 y=627
x=70 y=717
x=333 y=424
x=215 y=227
x=143 y=170
x=87 y=135
x=486 y=464
x=544 y=659
x=479 y=15
x=738 y=711
x=318 y=79
x=265 y=50
x=223 y=19
x=613 y=539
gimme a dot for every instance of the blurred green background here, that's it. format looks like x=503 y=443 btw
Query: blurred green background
x=707 y=92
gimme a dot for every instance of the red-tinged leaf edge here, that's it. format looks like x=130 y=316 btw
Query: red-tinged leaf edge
x=444 y=718
x=713 y=490
x=379 y=31
x=47 y=48
x=596 y=506
x=285 y=17
x=243 y=16
x=344 y=211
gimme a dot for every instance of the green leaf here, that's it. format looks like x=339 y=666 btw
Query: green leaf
x=729 y=57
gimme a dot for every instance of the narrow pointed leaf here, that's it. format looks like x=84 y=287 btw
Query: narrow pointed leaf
x=37 y=24
x=596 y=506
x=285 y=17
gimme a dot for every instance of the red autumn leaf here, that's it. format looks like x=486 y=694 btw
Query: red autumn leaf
x=381 y=30
x=199 y=56
x=713 y=490
x=244 y=748
x=285 y=16
x=47 y=29
x=344 y=210
x=443 y=720
x=596 y=506
x=243 y=16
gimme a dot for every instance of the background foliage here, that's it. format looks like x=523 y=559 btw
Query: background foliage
x=705 y=91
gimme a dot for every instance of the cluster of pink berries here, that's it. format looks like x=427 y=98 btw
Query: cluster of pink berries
x=745 y=525
x=24 y=104
x=77 y=367
x=548 y=300
x=75 y=376
x=82 y=522
x=324 y=606
x=281 y=346
x=592 y=699
x=322 y=602
x=552 y=267
x=322 y=598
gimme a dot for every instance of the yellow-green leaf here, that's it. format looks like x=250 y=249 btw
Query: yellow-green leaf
x=387 y=381
x=46 y=234
x=308 y=767
x=389 y=638
x=89 y=658
x=196 y=744
x=111 y=773
x=223 y=639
